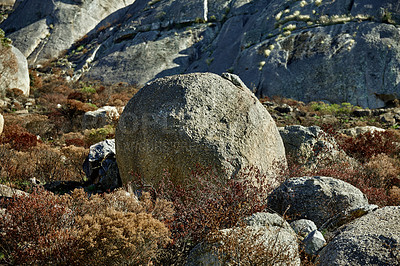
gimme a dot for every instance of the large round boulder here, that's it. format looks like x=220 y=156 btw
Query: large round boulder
x=179 y=122
x=319 y=199
x=373 y=239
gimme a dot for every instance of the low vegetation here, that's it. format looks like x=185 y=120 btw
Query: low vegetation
x=167 y=220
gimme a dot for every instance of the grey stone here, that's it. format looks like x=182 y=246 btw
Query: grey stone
x=41 y=29
x=178 y=122
x=303 y=227
x=101 y=167
x=370 y=240
x=6 y=191
x=14 y=71
x=310 y=146
x=266 y=219
x=103 y=116
x=313 y=242
x=356 y=131
x=387 y=118
x=315 y=198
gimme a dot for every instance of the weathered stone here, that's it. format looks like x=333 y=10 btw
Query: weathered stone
x=373 y=239
x=315 y=198
x=266 y=219
x=356 y=131
x=313 y=242
x=178 y=122
x=103 y=116
x=9 y=192
x=387 y=118
x=303 y=227
x=101 y=167
x=14 y=70
x=310 y=145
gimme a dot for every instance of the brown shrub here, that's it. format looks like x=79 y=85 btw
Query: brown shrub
x=205 y=203
x=382 y=169
x=110 y=229
x=36 y=229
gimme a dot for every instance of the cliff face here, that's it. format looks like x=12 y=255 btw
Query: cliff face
x=338 y=51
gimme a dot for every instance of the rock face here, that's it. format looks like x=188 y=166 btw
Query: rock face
x=14 y=70
x=370 y=240
x=42 y=29
x=105 y=115
x=337 y=51
x=318 y=199
x=269 y=229
x=178 y=122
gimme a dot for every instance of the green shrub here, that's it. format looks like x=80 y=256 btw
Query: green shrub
x=96 y=135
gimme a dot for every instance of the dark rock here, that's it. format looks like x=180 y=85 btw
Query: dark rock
x=362 y=112
x=101 y=167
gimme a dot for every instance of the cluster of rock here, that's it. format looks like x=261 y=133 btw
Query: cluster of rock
x=176 y=122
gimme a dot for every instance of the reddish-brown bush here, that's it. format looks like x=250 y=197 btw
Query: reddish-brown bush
x=366 y=145
x=205 y=203
x=18 y=137
x=36 y=229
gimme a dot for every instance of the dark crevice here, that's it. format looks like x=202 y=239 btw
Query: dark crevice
x=351 y=4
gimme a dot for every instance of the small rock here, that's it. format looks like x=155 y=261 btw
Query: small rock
x=362 y=112
x=303 y=227
x=315 y=198
x=103 y=116
x=313 y=242
x=6 y=191
x=388 y=118
x=356 y=131
x=284 y=109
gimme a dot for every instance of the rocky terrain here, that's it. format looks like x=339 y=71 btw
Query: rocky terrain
x=160 y=132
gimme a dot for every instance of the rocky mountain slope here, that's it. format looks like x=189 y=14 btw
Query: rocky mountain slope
x=338 y=51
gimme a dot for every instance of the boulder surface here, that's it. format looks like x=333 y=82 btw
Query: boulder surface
x=318 y=198
x=180 y=122
x=14 y=70
x=373 y=239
